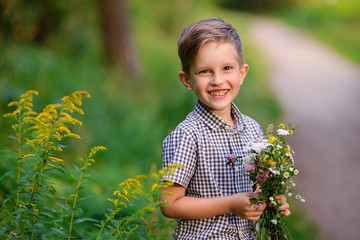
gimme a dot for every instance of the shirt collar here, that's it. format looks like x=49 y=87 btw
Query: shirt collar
x=213 y=121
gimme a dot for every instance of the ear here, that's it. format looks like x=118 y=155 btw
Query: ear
x=243 y=71
x=183 y=77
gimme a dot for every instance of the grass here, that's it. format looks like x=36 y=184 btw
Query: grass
x=333 y=22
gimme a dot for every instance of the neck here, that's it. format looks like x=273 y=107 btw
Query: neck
x=227 y=116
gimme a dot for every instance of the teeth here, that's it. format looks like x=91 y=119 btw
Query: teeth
x=218 y=93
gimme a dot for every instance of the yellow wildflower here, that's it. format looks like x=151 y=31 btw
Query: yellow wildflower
x=95 y=149
x=272 y=139
x=23 y=206
x=125 y=191
x=55 y=159
x=272 y=162
x=290 y=131
x=28 y=155
x=281 y=125
x=117 y=192
x=154 y=186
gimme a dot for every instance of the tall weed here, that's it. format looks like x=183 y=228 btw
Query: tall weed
x=32 y=206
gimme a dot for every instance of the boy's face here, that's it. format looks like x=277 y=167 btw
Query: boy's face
x=215 y=76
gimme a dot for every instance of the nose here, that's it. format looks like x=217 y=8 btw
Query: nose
x=217 y=79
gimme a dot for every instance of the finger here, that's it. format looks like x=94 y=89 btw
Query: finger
x=254 y=216
x=285 y=213
x=258 y=189
x=281 y=199
x=254 y=195
x=284 y=207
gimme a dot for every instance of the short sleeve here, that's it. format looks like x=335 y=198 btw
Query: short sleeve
x=180 y=148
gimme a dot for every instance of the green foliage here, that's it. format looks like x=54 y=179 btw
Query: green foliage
x=255 y=6
x=34 y=207
x=333 y=22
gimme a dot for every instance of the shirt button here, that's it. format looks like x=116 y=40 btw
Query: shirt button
x=231 y=138
x=227 y=127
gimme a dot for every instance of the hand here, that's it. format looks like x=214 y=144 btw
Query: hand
x=242 y=206
x=284 y=208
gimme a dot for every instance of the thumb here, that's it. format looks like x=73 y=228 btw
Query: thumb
x=254 y=195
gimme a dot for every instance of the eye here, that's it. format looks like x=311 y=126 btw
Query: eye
x=227 y=68
x=205 y=71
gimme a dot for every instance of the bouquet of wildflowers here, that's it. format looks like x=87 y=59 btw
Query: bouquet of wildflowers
x=270 y=166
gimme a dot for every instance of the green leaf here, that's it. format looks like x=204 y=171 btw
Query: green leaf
x=23 y=210
x=254 y=200
x=262 y=199
x=77 y=168
x=63 y=206
x=81 y=220
x=68 y=188
x=13 y=137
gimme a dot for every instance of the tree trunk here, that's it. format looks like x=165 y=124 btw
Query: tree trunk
x=119 y=45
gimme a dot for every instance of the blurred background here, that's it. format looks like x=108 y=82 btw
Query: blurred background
x=124 y=53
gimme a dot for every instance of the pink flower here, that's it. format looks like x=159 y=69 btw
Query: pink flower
x=262 y=176
x=265 y=174
x=251 y=168
x=230 y=157
x=257 y=206
x=258 y=178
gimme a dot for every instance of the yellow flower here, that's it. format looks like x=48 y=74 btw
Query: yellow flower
x=95 y=149
x=153 y=187
x=281 y=125
x=28 y=155
x=272 y=139
x=287 y=149
x=56 y=159
x=272 y=162
x=290 y=131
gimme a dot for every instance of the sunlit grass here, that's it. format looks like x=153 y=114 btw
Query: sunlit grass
x=334 y=22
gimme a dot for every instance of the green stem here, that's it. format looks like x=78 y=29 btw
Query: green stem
x=19 y=135
x=150 y=226
x=36 y=184
x=102 y=227
x=74 y=204
x=18 y=165
x=33 y=224
x=75 y=198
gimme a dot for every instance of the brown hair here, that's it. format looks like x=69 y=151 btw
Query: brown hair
x=202 y=31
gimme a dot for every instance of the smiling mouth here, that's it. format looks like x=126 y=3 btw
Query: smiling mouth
x=219 y=93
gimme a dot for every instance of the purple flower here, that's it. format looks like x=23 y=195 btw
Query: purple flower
x=251 y=168
x=265 y=174
x=262 y=176
x=257 y=206
x=230 y=157
x=258 y=178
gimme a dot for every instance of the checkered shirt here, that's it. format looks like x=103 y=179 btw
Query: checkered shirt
x=200 y=143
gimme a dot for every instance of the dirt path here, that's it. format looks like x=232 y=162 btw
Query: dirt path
x=320 y=93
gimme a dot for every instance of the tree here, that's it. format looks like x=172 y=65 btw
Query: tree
x=119 y=44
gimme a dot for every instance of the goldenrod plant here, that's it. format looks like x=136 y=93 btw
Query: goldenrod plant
x=31 y=207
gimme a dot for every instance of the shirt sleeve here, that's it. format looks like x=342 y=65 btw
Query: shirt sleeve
x=179 y=148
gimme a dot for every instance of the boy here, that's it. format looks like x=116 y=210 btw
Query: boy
x=210 y=198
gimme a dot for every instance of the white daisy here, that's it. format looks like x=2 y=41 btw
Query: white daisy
x=282 y=132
